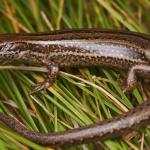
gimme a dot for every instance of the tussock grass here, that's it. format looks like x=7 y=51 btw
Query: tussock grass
x=75 y=99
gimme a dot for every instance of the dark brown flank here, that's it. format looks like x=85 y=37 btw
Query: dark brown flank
x=75 y=48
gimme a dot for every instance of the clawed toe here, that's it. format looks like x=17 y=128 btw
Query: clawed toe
x=39 y=87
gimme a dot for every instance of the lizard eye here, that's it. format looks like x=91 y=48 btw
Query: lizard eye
x=23 y=54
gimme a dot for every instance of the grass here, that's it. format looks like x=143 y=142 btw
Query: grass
x=73 y=100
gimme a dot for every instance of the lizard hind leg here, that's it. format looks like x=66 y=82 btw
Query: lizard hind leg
x=49 y=80
x=143 y=70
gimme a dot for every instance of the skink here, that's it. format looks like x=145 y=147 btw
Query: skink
x=129 y=51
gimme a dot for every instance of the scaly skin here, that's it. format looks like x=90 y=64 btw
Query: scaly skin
x=77 y=48
x=133 y=120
